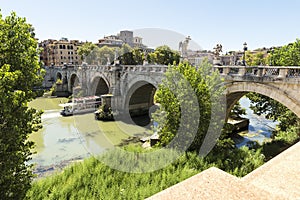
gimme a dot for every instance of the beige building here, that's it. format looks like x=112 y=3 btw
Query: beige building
x=124 y=37
x=110 y=41
x=60 y=52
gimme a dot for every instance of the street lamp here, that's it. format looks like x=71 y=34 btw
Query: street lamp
x=245 y=49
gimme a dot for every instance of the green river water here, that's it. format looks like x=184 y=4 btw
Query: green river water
x=74 y=137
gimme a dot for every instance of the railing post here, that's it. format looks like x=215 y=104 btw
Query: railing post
x=226 y=70
x=260 y=72
x=283 y=72
x=242 y=71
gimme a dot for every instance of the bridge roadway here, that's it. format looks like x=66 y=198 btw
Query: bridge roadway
x=134 y=86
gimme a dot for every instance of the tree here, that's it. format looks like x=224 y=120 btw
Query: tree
x=237 y=111
x=164 y=55
x=201 y=82
x=288 y=55
x=256 y=59
x=105 y=54
x=86 y=49
x=20 y=72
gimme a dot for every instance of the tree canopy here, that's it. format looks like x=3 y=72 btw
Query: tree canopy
x=20 y=72
x=287 y=55
x=180 y=112
x=92 y=54
x=164 y=55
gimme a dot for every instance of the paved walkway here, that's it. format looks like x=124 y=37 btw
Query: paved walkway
x=277 y=179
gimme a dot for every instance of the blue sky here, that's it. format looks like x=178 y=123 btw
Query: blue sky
x=232 y=22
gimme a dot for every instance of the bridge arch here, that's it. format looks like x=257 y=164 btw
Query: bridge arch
x=139 y=98
x=58 y=76
x=99 y=85
x=236 y=90
x=73 y=81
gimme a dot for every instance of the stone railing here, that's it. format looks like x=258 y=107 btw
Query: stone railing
x=124 y=68
x=145 y=68
x=275 y=72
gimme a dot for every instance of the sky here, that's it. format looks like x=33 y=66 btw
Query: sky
x=260 y=23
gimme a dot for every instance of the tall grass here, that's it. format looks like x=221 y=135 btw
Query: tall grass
x=92 y=179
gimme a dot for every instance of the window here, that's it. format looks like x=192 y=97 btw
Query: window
x=60 y=52
x=61 y=57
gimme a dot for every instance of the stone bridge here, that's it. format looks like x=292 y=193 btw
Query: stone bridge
x=134 y=86
x=279 y=83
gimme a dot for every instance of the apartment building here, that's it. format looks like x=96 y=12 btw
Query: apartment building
x=60 y=52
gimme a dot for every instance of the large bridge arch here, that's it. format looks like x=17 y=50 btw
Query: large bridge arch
x=236 y=90
x=139 y=98
x=138 y=83
x=99 y=85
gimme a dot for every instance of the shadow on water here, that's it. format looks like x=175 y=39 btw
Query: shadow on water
x=143 y=121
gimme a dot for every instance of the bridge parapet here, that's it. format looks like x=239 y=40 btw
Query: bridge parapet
x=260 y=73
x=145 y=68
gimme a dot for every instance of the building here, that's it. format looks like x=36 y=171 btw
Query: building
x=196 y=57
x=124 y=37
x=60 y=52
x=110 y=41
x=138 y=43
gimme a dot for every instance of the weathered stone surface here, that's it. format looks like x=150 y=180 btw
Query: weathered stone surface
x=281 y=175
x=213 y=184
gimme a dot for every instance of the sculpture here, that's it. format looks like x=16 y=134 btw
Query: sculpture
x=183 y=46
x=217 y=51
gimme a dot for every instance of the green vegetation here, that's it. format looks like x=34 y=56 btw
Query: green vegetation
x=104 y=113
x=164 y=55
x=256 y=59
x=92 y=179
x=92 y=54
x=188 y=93
x=287 y=55
x=20 y=72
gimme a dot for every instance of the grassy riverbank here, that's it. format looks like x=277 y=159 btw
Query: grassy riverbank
x=93 y=179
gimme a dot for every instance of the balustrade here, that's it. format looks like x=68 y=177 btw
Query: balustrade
x=259 y=71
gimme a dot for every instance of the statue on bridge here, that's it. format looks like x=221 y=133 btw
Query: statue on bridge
x=217 y=51
x=183 y=47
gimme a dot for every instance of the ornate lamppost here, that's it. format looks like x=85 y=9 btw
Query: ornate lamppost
x=244 y=57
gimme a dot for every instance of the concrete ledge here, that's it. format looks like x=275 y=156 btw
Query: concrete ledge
x=281 y=175
x=213 y=184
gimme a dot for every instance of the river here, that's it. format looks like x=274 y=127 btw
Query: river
x=76 y=137
x=259 y=130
